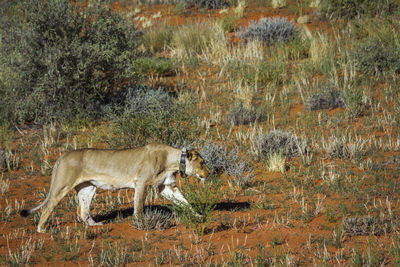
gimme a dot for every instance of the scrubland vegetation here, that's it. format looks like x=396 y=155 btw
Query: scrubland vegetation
x=298 y=123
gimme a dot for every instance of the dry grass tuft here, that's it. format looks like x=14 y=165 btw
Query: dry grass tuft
x=204 y=39
x=276 y=162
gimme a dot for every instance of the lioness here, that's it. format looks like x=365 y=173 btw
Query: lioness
x=87 y=169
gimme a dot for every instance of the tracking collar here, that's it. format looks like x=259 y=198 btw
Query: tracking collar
x=182 y=161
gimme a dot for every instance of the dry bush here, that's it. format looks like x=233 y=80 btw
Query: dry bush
x=208 y=4
x=154 y=220
x=269 y=30
x=240 y=115
x=276 y=141
x=368 y=225
x=219 y=160
x=344 y=147
x=325 y=98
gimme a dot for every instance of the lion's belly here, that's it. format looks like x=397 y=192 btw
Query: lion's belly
x=114 y=184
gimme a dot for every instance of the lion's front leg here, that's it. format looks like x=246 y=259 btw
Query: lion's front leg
x=172 y=193
x=140 y=196
x=168 y=189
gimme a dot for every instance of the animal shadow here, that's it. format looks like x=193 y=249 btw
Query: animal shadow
x=124 y=213
x=232 y=206
x=128 y=212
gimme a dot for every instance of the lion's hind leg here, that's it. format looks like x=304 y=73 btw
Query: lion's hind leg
x=63 y=181
x=55 y=197
x=86 y=192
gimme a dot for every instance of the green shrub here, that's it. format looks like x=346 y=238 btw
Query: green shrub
x=208 y=4
x=373 y=57
x=202 y=198
x=142 y=115
x=6 y=135
x=349 y=9
x=228 y=23
x=298 y=47
x=383 y=29
x=240 y=70
x=145 y=66
x=331 y=214
x=58 y=59
x=354 y=101
x=259 y=73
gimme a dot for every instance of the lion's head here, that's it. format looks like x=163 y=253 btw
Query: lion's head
x=197 y=166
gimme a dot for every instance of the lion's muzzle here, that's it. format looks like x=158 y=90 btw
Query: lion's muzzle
x=203 y=174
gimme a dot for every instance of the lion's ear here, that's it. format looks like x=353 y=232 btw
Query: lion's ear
x=191 y=155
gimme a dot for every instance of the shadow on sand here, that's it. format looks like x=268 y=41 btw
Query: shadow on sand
x=124 y=213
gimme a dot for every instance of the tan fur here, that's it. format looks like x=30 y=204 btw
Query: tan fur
x=88 y=169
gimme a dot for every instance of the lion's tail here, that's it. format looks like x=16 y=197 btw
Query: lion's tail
x=26 y=213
